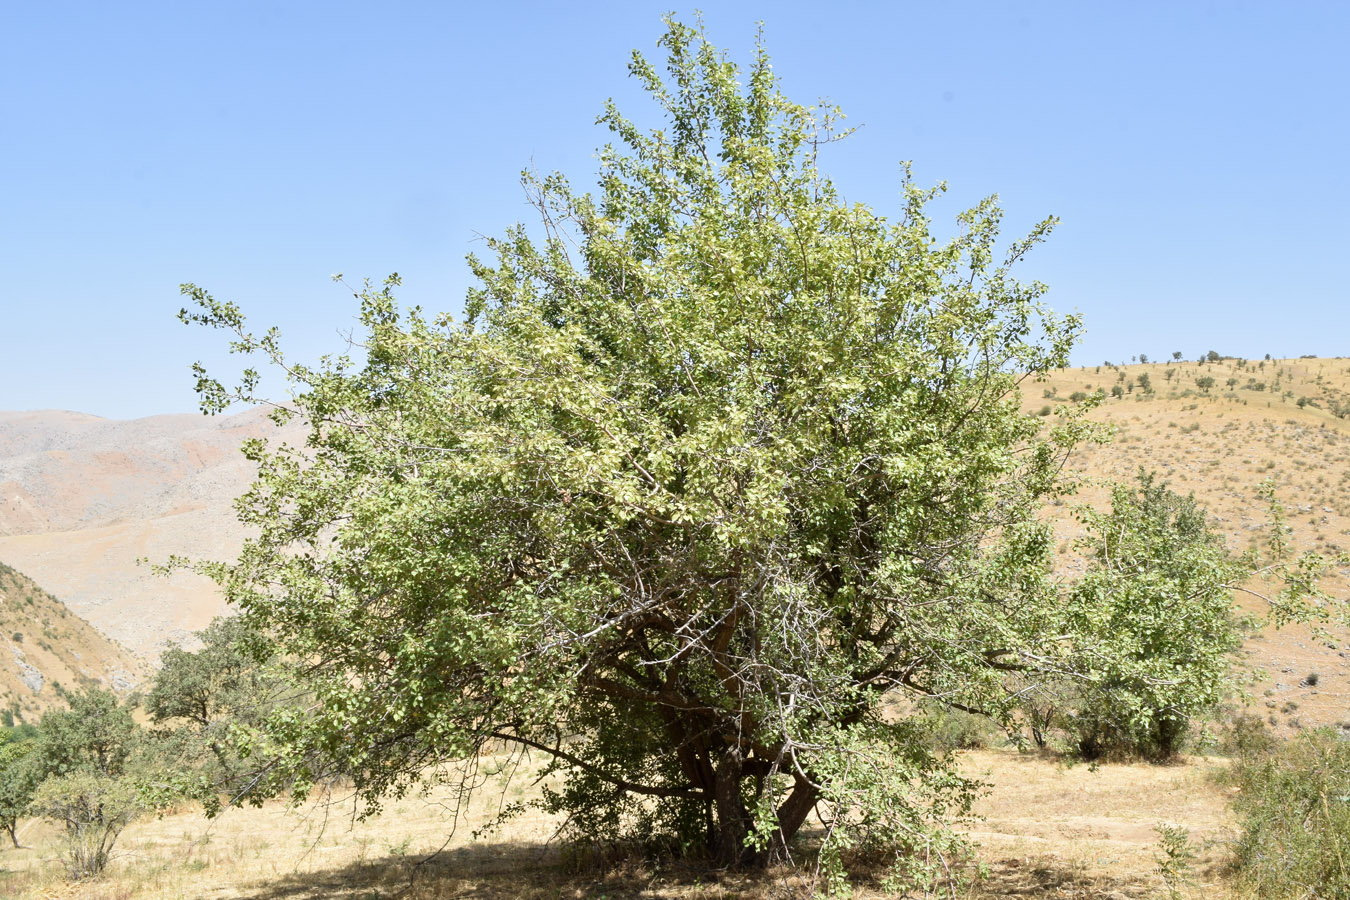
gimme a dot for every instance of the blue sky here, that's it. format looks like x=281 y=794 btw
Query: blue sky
x=1196 y=152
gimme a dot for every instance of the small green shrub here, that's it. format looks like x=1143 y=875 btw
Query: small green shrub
x=1293 y=811
x=94 y=809
x=1175 y=860
x=1246 y=737
x=953 y=729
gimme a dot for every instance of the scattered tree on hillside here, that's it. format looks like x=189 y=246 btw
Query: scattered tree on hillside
x=1156 y=607
x=18 y=781
x=205 y=699
x=1205 y=382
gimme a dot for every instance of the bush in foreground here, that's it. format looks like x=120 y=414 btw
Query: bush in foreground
x=1294 y=818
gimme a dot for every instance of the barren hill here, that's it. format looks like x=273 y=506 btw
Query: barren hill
x=82 y=498
x=44 y=647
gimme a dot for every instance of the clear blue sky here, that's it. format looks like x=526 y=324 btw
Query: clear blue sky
x=1197 y=153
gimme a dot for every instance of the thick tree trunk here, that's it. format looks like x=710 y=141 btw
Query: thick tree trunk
x=791 y=816
x=733 y=821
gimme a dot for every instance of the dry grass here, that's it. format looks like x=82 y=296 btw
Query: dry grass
x=1048 y=831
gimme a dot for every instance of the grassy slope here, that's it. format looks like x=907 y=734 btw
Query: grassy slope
x=43 y=645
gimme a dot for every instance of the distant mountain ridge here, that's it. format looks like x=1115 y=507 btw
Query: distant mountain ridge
x=82 y=498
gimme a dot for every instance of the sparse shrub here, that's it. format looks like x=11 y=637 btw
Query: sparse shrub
x=1078 y=396
x=1045 y=410
x=96 y=776
x=1293 y=809
x=951 y=729
x=94 y=809
x=1246 y=736
x=1176 y=859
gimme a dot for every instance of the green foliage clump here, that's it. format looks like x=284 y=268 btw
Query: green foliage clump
x=18 y=778
x=947 y=729
x=1155 y=609
x=1293 y=810
x=714 y=463
x=95 y=773
x=94 y=809
x=210 y=704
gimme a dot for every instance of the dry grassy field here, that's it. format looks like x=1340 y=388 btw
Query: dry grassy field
x=1046 y=829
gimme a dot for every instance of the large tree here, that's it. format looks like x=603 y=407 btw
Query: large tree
x=713 y=465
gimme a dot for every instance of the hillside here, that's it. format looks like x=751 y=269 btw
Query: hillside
x=1260 y=419
x=45 y=647
x=82 y=498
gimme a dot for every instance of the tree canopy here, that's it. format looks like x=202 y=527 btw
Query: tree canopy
x=716 y=473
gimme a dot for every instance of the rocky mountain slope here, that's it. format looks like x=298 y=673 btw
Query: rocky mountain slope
x=44 y=647
x=83 y=498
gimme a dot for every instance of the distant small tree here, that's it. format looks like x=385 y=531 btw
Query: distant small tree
x=1145 y=382
x=1232 y=383
x=1143 y=357
x=1213 y=356
x=1176 y=355
x=17 y=781
x=1205 y=382
x=83 y=757
x=94 y=809
x=209 y=699
x=1117 y=391
x=1169 y=374
x=1154 y=562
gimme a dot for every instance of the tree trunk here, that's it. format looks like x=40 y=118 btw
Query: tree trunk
x=733 y=821
x=791 y=816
